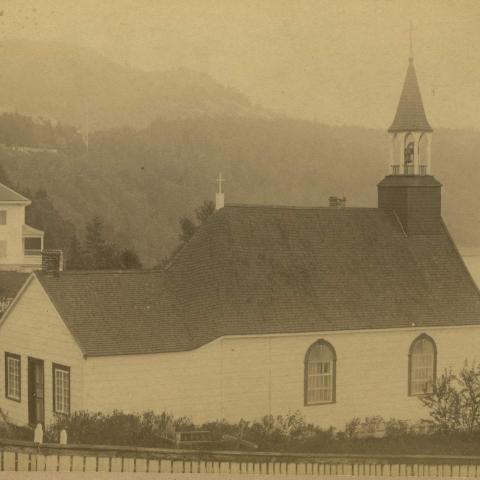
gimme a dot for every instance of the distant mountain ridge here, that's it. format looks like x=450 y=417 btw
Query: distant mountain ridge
x=80 y=87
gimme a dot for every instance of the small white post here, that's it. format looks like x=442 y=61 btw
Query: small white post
x=219 y=197
x=38 y=434
x=63 y=437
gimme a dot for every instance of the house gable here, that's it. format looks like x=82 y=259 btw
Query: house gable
x=32 y=328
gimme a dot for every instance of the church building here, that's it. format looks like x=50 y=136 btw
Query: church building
x=336 y=312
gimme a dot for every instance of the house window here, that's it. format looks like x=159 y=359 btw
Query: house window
x=32 y=245
x=61 y=389
x=422 y=366
x=12 y=376
x=3 y=248
x=320 y=370
x=3 y=217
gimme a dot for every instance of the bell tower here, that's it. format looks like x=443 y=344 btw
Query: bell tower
x=410 y=132
x=409 y=189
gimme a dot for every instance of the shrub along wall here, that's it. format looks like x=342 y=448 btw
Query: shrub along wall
x=285 y=433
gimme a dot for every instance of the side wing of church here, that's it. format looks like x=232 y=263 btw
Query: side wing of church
x=335 y=312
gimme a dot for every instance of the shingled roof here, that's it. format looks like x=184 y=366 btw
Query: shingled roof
x=410 y=114
x=11 y=283
x=10 y=196
x=267 y=270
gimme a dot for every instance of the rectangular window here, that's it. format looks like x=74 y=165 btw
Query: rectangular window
x=3 y=217
x=3 y=248
x=319 y=382
x=422 y=373
x=61 y=389
x=12 y=376
x=32 y=245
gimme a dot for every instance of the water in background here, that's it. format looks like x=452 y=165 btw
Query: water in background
x=471 y=257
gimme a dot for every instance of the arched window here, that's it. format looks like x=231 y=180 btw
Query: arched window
x=422 y=366
x=320 y=363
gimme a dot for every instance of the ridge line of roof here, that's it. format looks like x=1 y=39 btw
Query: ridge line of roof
x=293 y=207
x=96 y=272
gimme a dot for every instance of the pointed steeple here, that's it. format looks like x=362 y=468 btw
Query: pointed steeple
x=410 y=116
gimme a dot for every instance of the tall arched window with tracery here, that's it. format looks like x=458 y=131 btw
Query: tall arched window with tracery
x=422 y=366
x=320 y=373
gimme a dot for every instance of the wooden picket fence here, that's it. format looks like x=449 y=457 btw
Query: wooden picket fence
x=28 y=456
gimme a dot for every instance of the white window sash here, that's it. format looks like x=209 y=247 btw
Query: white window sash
x=13 y=378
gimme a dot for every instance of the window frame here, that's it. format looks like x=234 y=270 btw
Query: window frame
x=64 y=368
x=27 y=251
x=3 y=213
x=13 y=356
x=423 y=336
x=334 y=374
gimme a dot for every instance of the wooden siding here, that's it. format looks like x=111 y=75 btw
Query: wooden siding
x=184 y=383
x=253 y=376
x=11 y=233
x=34 y=329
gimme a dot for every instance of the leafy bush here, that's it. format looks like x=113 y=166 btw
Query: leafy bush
x=454 y=406
x=117 y=428
x=281 y=433
x=13 y=432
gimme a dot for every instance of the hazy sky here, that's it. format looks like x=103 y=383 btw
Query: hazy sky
x=341 y=62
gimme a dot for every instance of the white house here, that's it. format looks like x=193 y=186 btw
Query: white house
x=20 y=245
x=336 y=312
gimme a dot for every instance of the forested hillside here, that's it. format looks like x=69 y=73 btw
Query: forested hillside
x=142 y=181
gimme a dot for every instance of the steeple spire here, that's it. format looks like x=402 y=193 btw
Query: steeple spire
x=410 y=114
x=410 y=58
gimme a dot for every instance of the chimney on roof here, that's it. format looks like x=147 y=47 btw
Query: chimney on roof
x=52 y=261
x=337 y=202
x=219 y=197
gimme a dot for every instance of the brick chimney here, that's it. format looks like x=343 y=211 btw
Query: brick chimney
x=52 y=261
x=337 y=202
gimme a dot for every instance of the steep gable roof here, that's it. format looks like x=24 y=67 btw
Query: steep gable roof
x=410 y=114
x=118 y=313
x=266 y=270
x=11 y=283
x=10 y=196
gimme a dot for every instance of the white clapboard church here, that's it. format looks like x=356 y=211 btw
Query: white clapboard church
x=335 y=312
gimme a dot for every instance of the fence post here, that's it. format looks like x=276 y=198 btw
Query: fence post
x=63 y=437
x=38 y=434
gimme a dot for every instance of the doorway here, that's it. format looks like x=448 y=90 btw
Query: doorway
x=36 y=391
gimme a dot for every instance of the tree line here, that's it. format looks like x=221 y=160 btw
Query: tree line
x=18 y=130
x=92 y=251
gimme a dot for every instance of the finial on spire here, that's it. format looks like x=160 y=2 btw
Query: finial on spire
x=219 y=197
x=411 y=42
